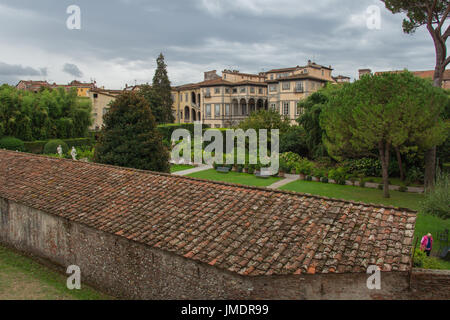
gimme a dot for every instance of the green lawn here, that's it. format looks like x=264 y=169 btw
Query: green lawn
x=424 y=223
x=234 y=177
x=367 y=195
x=393 y=181
x=180 y=167
x=21 y=278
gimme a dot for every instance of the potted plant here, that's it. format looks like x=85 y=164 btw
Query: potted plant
x=318 y=174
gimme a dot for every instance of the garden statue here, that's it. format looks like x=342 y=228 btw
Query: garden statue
x=73 y=153
x=59 y=150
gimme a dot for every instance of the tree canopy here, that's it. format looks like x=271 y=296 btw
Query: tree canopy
x=310 y=120
x=159 y=95
x=382 y=112
x=129 y=136
x=48 y=114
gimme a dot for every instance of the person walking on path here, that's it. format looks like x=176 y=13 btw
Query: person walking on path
x=427 y=244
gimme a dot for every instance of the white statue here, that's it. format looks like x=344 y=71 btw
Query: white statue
x=59 y=150
x=73 y=153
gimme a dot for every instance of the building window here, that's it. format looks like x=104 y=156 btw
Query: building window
x=273 y=88
x=227 y=90
x=286 y=108
x=273 y=106
x=217 y=90
x=217 y=110
x=208 y=111
x=95 y=95
x=298 y=109
x=242 y=90
x=323 y=73
x=260 y=91
x=227 y=109
x=286 y=85
x=299 y=86
x=186 y=96
x=252 y=89
x=271 y=77
x=181 y=97
x=234 y=90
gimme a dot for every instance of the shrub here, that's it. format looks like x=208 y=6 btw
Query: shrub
x=362 y=183
x=403 y=189
x=52 y=146
x=324 y=179
x=11 y=143
x=413 y=175
x=437 y=201
x=339 y=175
x=366 y=166
x=421 y=260
x=304 y=167
x=308 y=178
x=380 y=187
x=35 y=146
x=289 y=161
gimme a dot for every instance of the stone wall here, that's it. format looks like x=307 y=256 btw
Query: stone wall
x=127 y=269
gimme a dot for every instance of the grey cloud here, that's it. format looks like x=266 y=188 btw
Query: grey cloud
x=19 y=70
x=73 y=70
x=12 y=74
x=249 y=35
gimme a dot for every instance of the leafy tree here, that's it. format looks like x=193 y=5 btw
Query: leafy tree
x=160 y=95
x=129 y=136
x=266 y=119
x=384 y=112
x=44 y=115
x=432 y=14
x=294 y=140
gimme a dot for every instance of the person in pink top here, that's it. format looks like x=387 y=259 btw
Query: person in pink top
x=427 y=244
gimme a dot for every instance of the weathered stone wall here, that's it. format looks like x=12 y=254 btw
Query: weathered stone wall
x=124 y=268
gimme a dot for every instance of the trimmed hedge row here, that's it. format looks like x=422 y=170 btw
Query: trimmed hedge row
x=38 y=146
x=166 y=130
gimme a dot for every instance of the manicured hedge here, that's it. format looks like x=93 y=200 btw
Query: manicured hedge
x=166 y=130
x=11 y=143
x=37 y=147
x=51 y=147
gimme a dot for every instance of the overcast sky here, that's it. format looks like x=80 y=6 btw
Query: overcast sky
x=119 y=40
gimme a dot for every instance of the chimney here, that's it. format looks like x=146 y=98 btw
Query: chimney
x=363 y=72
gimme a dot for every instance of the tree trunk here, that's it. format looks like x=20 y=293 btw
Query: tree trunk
x=400 y=164
x=441 y=56
x=430 y=168
x=384 y=158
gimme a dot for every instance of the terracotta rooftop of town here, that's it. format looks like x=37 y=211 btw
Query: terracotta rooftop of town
x=245 y=230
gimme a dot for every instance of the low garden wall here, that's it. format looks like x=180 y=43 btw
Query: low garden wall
x=127 y=269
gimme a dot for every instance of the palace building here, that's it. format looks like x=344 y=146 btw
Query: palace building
x=224 y=101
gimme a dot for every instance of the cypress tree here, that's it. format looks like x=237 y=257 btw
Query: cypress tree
x=161 y=93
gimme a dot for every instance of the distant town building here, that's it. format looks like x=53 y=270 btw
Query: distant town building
x=101 y=99
x=34 y=86
x=428 y=74
x=342 y=79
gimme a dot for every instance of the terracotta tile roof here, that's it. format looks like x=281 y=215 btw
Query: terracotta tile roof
x=298 y=77
x=249 y=231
